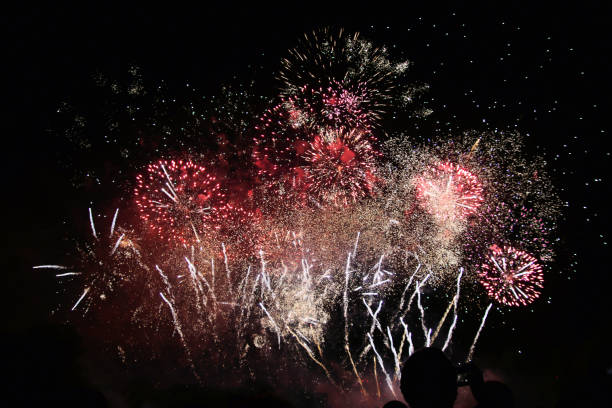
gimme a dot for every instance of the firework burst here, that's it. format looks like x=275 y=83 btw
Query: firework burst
x=347 y=70
x=332 y=107
x=511 y=276
x=320 y=246
x=448 y=191
x=178 y=200
x=340 y=167
x=104 y=264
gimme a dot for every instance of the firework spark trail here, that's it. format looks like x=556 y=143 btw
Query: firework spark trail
x=81 y=298
x=112 y=229
x=347 y=346
x=363 y=391
x=312 y=356
x=61 y=275
x=450 y=333
x=484 y=319
x=372 y=327
x=278 y=333
x=356 y=242
x=91 y=222
x=374 y=318
x=117 y=244
x=212 y=276
x=177 y=326
x=443 y=319
x=165 y=279
x=451 y=304
x=395 y=356
x=456 y=303
x=426 y=332
x=49 y=267
x=376 y=377
x=408 y=336
x=197 y=285
x=265 y=279
x=227 y=269
x=382 y=367
x=417 y=289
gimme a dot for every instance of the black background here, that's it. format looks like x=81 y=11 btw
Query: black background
x=559 y=353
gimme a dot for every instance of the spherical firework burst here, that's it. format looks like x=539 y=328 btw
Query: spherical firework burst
x=448 y=191
x=341 y=167
x=366 y=74
x=511 y=276
x=178 y=199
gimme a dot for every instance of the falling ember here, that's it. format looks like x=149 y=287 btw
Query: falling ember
x=511 y=277
x=448 y=191
x=178 y=200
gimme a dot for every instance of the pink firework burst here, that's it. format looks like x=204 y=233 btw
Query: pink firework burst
x=178 y=199
x=335 y=106
x=449 y=191
x=341 y=167
x=511 y=276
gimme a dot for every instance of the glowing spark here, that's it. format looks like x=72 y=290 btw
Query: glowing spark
x=382 y=367
x=117 y=244
x=49 y=267
x=112 y=229
x=278 y=334
x=91 y=222
x=81 y=298
x=482 y=323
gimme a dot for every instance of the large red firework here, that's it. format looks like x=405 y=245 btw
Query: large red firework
x=448 y=191
x=340 y=167
x=511 y=276
x=178 y=199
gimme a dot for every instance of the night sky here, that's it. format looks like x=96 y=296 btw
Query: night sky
x=542 y=70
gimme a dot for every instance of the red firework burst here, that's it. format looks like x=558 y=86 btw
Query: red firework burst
x=448 y=191
x=340 y=167
x=178 y=200
x=511 y=277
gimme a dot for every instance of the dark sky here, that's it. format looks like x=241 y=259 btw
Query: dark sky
x=556 y=89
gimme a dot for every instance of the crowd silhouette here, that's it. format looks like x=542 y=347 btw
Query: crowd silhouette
x=44 y=370
x=429 y=380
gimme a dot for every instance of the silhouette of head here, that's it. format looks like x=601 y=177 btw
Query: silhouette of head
x=394 y=404
x=429 y=380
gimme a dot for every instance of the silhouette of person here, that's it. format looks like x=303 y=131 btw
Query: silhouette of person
x=394 y=404
x=489 y=394
x=429 y=380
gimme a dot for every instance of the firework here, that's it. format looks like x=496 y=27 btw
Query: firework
x=178 y=200
x=346 y=69
x=103 y=265
x=333 y=107
x=449 y=191
x=511 y=276
x=280 y=144
x=321 y=253
x=340 y=167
